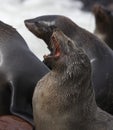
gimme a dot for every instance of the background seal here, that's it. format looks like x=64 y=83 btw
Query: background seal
x=104 y=24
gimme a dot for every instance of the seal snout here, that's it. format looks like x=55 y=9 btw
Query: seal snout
x=29 y=24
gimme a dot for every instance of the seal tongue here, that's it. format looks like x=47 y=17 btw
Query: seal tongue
x=55 y=52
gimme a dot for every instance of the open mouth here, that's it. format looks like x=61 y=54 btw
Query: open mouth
x=55 y=48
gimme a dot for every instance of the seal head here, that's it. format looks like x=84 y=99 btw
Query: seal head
x=104 y=24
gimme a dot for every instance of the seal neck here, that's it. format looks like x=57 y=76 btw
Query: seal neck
x=75 y=83
x=81 y=97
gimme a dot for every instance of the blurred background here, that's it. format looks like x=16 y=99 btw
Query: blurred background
x=14 y=12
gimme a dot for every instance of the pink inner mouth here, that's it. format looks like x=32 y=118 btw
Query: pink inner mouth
x=56 y=48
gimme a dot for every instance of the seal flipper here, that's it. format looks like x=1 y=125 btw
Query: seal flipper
x=19 y=104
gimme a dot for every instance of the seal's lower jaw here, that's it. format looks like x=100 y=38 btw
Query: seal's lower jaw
x=55 y=51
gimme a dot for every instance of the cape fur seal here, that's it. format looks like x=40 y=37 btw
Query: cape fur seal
x=104 y=24
x=100 y=55
x=20 y=70
x=64 y=98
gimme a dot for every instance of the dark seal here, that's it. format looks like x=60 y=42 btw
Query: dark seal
x=64 y=98
x=100 y=55
x=104 y=24
x=20 y=70
x=88 y=4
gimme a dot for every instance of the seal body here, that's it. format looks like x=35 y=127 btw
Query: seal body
x=20 y=70
x=100 y=55
x=104 y=24
x=64 y=98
